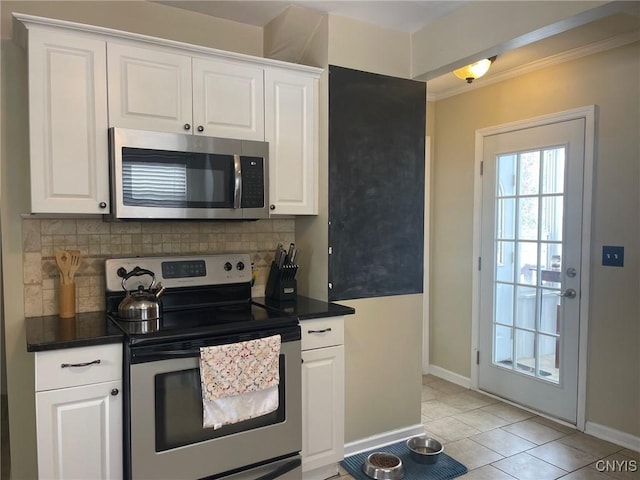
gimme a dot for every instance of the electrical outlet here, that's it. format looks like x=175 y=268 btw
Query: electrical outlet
x=612 y=256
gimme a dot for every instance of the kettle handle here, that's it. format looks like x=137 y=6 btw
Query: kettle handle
x=136 y=272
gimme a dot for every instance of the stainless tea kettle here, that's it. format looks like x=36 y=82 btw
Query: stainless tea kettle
x=141 y=304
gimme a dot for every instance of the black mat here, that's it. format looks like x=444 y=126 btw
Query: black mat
x=444 y=469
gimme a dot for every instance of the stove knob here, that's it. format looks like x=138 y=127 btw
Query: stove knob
x=228 y=266
x=240 y=266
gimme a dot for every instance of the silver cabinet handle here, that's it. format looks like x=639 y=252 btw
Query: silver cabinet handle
x=70 y=365
x=324 y=330
x=569 y=293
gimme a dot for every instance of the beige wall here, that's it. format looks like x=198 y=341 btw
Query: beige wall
x=369 y=48
x=383 y=343
x=145 y=18
x=383 y=340
x=140 y=17
x=609 y=80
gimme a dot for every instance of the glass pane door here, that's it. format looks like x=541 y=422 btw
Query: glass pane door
x=528 y=262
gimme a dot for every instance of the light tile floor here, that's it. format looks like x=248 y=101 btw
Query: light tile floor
x=498 y=441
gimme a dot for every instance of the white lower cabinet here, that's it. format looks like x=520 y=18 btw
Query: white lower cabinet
x=322 y=397
x=79 y=424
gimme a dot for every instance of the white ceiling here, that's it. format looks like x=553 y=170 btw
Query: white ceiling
x=410 y=16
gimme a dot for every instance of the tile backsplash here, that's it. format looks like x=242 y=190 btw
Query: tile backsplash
x=98 y=240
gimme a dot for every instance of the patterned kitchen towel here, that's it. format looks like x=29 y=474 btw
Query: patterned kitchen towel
x=239 y=380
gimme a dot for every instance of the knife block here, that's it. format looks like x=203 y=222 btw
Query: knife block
x=67 y=300
x=280 y=286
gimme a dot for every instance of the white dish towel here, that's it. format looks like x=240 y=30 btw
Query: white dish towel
x=239 y=380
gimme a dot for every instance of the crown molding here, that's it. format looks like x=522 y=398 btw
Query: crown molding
x=569 y=55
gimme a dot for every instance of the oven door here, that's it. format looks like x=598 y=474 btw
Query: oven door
x=166 y=438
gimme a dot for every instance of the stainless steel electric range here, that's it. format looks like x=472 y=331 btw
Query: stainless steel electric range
x=206 y=302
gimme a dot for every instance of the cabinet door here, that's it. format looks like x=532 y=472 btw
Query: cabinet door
x=322 y=407
x=291 y=130
x=68 y=123
x=80 y=432
x=149 y=89
x=228 y=100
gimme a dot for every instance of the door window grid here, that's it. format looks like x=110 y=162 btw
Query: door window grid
x=529 y=222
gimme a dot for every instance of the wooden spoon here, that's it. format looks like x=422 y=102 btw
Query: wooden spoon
x=63 y=260
x=74 y=264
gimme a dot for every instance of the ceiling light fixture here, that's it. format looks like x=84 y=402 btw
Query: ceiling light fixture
x=475 y=70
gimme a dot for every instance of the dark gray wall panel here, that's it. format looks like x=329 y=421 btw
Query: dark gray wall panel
x=376 y=184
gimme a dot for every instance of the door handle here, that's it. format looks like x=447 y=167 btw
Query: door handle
x=569 y=293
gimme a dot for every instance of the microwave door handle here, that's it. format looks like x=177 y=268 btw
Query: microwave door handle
x=237 y=183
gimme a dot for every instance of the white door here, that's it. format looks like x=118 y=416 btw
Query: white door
x=530 y=275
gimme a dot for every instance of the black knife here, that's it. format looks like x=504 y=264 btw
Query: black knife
x=290 y=252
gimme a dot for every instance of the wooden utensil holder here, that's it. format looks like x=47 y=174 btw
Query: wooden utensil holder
x=67 y=300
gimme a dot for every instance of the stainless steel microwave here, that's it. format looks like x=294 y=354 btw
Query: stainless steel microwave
x=156 y=175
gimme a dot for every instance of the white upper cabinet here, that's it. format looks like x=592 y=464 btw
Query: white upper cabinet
x=67 y=123
x=149 y=89
x=155 y=89
x=85 y=79
x=291 y=108
x=228 y=99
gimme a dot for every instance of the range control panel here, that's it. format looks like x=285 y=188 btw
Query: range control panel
x=178 y=271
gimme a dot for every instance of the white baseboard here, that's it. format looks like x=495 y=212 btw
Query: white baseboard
x=382 y=439
x=450 y=376
x=614 y=436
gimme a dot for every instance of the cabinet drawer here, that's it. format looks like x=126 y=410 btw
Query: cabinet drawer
x=66 y=367
x=322 y=332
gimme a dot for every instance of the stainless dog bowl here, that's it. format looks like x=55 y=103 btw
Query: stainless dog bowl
x=383 y=466
x=424 y=449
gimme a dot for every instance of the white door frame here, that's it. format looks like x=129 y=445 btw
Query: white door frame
x=589 y=114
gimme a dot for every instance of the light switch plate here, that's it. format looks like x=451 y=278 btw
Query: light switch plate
x=612 y=256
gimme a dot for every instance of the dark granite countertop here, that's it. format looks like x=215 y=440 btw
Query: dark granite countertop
x=306 y=308
x=85 y=329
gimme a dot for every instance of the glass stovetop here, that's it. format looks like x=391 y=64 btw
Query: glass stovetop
x=203 y=321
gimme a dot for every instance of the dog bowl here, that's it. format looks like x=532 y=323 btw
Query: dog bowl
x=383 y=466
x=424 y=449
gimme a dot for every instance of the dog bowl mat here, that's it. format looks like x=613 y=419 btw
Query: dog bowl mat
x=444 y=469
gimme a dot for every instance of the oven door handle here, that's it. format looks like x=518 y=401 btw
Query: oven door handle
x=281 y=470
x=168 y=353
